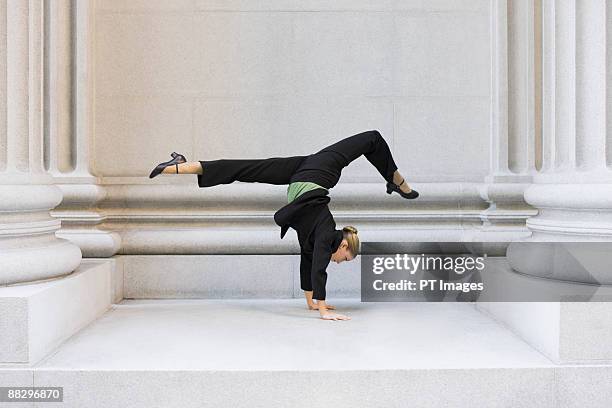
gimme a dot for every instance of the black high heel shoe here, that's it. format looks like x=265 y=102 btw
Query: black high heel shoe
x=180 y=156
x=391 y=187
x=177 y=159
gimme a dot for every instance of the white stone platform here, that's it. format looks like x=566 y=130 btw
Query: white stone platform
x=274 y=352
x=37 y=317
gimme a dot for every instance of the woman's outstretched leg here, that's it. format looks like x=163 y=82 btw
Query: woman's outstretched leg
x=274 y=170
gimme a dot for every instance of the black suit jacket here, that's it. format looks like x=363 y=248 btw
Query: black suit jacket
x=310 y=217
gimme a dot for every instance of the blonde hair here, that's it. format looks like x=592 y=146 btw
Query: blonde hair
x=350 y=234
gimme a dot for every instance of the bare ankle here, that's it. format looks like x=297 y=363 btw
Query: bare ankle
x=172 y=169
x=397 y=178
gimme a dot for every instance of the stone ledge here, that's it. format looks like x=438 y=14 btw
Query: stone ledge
x=544 y=387
x=36 y=318
x=179 y=218
x=228 y=276
x=566 y=332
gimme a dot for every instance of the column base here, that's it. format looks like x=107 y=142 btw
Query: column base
x=29 y=249
x=571 y=212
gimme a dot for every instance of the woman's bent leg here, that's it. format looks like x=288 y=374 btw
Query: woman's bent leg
x=372 y=145
x=274 y=170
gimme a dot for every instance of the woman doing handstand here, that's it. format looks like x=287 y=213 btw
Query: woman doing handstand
x=309 y=179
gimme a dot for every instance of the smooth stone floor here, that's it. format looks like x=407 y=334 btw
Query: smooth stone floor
x=281 y=334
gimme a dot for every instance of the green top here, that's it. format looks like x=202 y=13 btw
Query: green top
x=296 y=189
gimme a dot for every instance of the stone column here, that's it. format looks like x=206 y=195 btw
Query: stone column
x=70 y=127
x=573 y=191
x=512 y=155
x=59 y=155
x=29 y=249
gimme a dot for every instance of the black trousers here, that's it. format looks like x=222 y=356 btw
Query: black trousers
x=323 y=167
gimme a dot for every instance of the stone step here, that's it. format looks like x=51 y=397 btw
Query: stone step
x=273 y=352
x=228 y=276
x=37 y=317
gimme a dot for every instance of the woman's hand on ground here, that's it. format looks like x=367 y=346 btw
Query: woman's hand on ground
x=314 y=306
x=334 y=316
